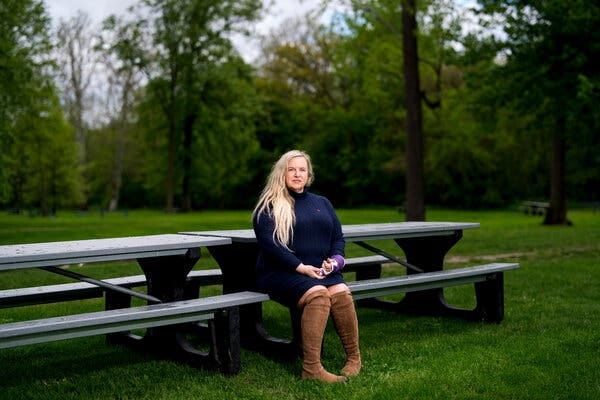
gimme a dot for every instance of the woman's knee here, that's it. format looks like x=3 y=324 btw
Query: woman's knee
x=318 y=290
x=339 y=288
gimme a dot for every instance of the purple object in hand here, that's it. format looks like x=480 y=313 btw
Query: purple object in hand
x=339 y=262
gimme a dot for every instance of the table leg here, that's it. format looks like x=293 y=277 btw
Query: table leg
x=166 y=280
x=428 y=253
x=237 y=262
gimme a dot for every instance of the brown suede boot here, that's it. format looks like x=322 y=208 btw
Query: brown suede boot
x=313 y=322
x=346 y=325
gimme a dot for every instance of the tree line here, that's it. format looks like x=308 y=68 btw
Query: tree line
x=156 y=107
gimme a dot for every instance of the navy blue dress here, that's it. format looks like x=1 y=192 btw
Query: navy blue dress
x=317 y=236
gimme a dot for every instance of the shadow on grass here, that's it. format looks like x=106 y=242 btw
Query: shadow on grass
x=56 y=360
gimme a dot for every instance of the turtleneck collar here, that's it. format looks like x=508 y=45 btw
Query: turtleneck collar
x=297 y=195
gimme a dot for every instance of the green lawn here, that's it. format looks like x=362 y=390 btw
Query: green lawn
x=546 y=348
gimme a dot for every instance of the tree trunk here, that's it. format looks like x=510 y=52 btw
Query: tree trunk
x=118 y=168
x=169 y=184
x=188 y=129
x=122 y=127
x=171 y=116
x=415 y=203
x=557 y=213
x=75 y=38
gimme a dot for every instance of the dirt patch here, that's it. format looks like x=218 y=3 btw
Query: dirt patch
x=488 y=257
x=515 y=256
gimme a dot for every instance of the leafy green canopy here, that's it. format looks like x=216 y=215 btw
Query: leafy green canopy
x=35 y=162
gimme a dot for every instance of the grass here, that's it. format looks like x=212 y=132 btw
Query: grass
x=546 y=348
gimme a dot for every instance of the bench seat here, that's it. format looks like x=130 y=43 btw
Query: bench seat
x=150 y=316
x=428 y=280
x=489 y=292
x=488 y=280
x=102 y=322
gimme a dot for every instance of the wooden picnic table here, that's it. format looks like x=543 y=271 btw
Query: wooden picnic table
x=425 y=245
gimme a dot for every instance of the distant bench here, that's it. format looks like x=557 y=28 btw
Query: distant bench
x=535 y=207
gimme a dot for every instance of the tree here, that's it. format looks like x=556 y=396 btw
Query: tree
x=386 y=14
x=78 y=66
x=356 y=95
x=226 y=144
x=24 y=60
x=120 y=55
x=299 y=56
x=188 y=38
x=550 y=50
x=37 y=166
x=48 y=157
x=323 y=95
x=415 y=199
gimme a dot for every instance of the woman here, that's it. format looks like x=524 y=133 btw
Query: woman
x=301 y=253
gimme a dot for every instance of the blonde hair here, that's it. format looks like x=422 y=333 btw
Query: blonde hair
x=276 y=200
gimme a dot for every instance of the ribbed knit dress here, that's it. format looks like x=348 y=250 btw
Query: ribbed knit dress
x=317 y=236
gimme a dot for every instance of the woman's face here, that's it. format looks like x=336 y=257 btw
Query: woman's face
x=297 y=174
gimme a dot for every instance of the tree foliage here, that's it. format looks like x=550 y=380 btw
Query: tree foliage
x=36 y=160
x=186 y=123
x=549 y=54
x=189 y=38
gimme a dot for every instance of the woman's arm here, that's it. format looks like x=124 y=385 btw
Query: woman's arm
x=338 y=243
x=264 y=227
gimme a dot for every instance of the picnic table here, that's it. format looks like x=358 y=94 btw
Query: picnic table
x=535 y=207
x=425 y=245
x=234 y=318
x=166 y=261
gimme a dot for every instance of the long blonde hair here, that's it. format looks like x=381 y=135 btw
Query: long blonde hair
x=276 y=200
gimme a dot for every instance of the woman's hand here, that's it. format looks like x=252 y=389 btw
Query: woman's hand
x=310 y=270
x=328 y=266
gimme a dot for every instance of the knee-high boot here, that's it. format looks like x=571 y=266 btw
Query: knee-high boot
x=346 y=325
x=313 y=322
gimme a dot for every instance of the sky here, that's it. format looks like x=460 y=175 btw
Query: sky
x=99 y=9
